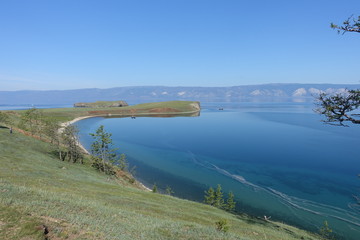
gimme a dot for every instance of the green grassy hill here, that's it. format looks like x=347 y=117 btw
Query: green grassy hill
x=38 y=193
x=76 y=202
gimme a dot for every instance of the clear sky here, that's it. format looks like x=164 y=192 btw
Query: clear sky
x=71 y=44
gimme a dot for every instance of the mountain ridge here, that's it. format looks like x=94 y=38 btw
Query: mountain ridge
x=163 y=93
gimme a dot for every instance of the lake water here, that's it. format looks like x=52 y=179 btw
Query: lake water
x=279 y=160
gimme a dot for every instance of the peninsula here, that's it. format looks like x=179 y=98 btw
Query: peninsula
x=42 y=197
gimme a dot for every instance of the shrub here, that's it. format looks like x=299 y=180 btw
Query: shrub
x=222 y=225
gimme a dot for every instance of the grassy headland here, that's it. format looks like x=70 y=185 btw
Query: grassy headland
x=40 y=193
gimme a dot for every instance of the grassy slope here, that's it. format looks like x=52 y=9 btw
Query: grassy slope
x=76 y=202
x=175 y=107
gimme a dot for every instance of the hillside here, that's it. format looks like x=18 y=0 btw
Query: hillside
x=75 y=202
x=42 y=197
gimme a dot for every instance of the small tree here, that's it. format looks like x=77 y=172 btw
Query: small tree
x=123 y=163
x=338 y=107
x=70 y=141
x=51 y=130
x=103 y=155
x=230 y=203
x=169 y=191
x=209 y=196
x=222 y=225
x=154 y=189
x=350 y=25
x=219 y=201
x=326 y=232
x=31 y=120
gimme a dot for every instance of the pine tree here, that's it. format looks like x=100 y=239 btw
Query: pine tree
x=103 y=155
x=123 y=163
x=154 y=189
x=209 y=196
x=230 y=203
x=219 y=201
x=326 y=232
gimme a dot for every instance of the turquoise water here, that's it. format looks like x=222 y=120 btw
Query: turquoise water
x=278 y=159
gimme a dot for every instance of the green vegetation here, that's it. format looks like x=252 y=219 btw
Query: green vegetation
x=59 y=115
x=77 y=202
x=215 y=198
x=103 y=155
x=230 y=203
x=169 y=191
x=102 y=104
x=222 y=226
x=160 y=108
x=340 y=107
x=42 y=196
x=154 y=188
x=326 y=232
x=349 y=25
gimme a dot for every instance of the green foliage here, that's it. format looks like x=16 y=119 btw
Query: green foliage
x=219 y=200
x=51 y=130
x=338 y=107
x=103 y=155
x=350 y=25
x=326 y=232
x=154 y=189
x=123 y=163
x=69 y=139
x=4 y=118
x=31 y=121
x=215 y=198
x=169 y=191
x=230 y=203
x=222 y=225
x=210 y=196
x=74 y=199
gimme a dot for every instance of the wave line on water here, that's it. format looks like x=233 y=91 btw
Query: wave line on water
x=290 y=201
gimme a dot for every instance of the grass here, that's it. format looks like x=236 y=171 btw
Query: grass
x=75 y=202
x=170 y=108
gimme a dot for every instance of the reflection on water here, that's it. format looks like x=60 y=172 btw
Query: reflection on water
x=278 y=159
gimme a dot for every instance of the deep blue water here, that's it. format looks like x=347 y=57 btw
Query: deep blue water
x=280 y=160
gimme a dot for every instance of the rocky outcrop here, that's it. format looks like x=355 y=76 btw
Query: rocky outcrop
x=102 y=104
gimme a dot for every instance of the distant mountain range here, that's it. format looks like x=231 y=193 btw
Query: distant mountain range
x=266 y=92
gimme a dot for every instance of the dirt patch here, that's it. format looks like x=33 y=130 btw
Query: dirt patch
x=59 y=229
x=163 y=110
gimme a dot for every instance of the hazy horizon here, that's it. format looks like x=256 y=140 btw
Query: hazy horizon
x=183 y=86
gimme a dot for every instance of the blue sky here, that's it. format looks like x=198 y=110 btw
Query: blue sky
x=102 y=44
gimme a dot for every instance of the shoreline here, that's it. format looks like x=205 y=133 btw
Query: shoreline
x=65 y=124
x=68 y=123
